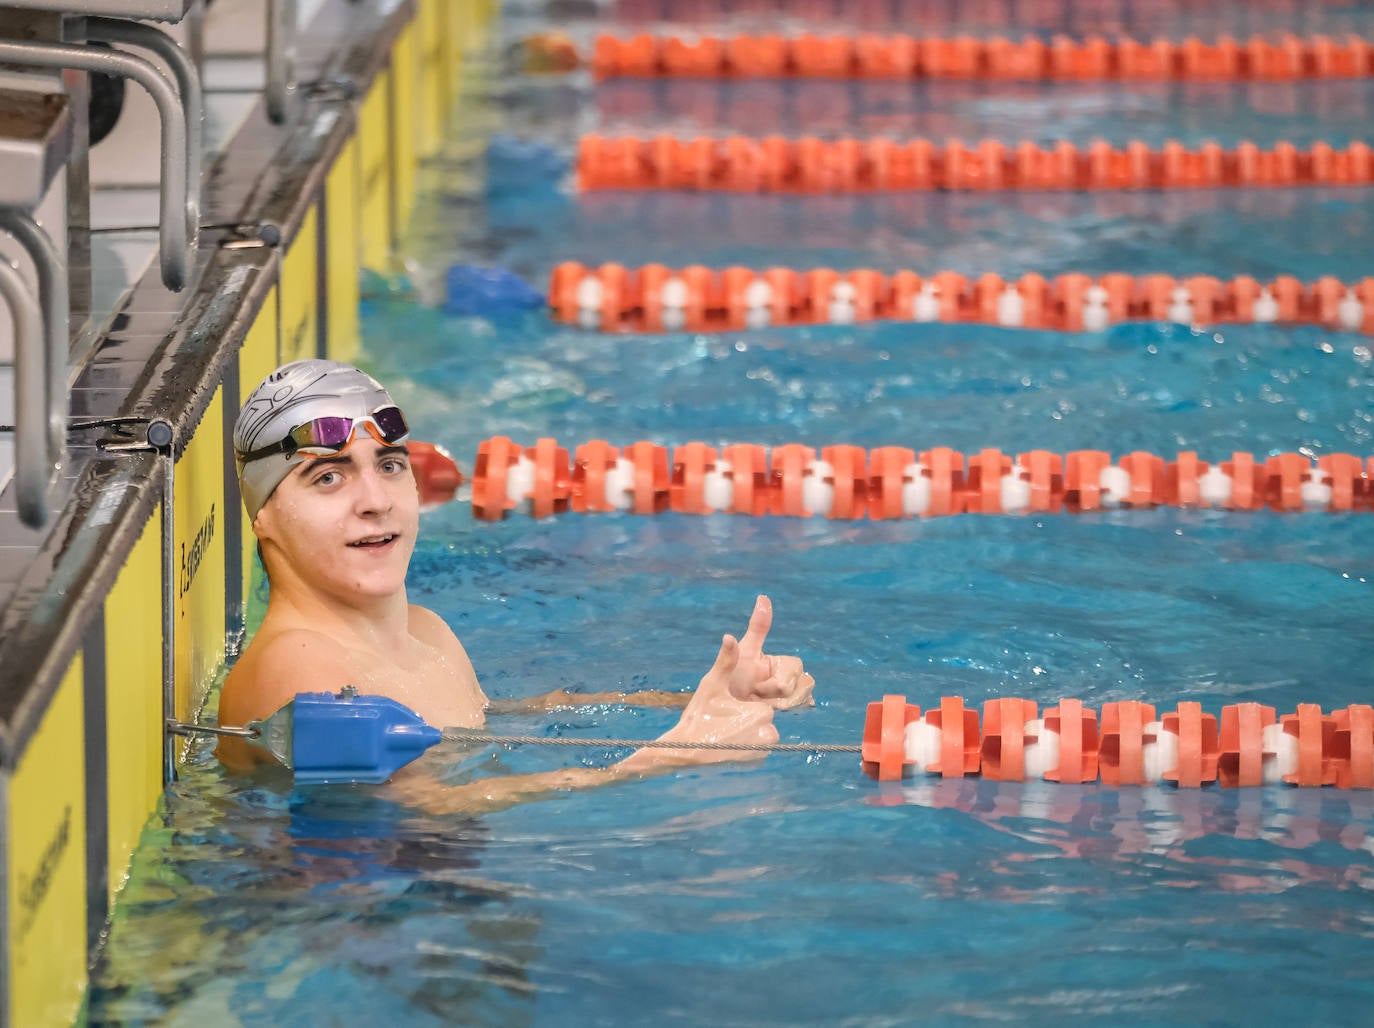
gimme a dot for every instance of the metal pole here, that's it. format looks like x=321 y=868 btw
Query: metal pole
x=195 y=37
x=281 y=58
x=169 y=614
x=174 y=238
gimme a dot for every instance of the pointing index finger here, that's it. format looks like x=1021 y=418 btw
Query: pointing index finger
x=760 y=621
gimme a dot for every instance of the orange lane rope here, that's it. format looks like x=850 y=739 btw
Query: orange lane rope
x=655 y=298
x=848 y=482
x=1129 y=744
x=872 y=56
x=810 y=165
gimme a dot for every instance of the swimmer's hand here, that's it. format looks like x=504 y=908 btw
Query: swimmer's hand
x=781 y=682
x=716 y=715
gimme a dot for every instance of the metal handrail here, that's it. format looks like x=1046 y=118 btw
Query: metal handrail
x=195 y=35
x=53 y=296
x=32 y=470
x=132 y=33
x=173 y=237
x=280 y=57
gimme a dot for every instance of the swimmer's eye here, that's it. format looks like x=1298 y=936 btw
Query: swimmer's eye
x=326 y=478
x=394 y=465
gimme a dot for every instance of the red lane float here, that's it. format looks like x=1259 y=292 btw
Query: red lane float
x=596 y=483
x=847 y=482
x=1005 y=726
x=436 y=473
x=743 y=481
x=505 y=477
x=1247 y=729
x=1121 y=750
x=655 y=298
x=491 y=474
x=945 y=741
x=810 y=165
x=1184 y=747
x=1255 y=59
x=889 y=476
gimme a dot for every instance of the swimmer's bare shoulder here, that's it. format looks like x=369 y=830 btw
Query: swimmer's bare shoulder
x=272 y=670
x=432 y=630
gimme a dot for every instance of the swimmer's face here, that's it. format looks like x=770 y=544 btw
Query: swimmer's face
x=346 y=523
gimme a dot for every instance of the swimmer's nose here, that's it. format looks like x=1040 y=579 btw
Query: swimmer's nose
x=372 y=496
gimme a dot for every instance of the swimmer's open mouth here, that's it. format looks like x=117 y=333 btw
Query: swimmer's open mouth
x=374 y=541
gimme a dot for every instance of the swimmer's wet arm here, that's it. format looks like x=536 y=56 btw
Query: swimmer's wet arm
x=561 y=699
x=487 y=796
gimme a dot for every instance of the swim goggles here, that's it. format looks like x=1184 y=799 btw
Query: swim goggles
x=324 y=437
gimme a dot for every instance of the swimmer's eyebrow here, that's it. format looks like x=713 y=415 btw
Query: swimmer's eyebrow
x=346 y=459
x=313 y=463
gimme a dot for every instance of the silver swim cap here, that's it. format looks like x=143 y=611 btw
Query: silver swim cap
x=293 y=395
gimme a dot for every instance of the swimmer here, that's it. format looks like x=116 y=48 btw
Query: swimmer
x=326 y=479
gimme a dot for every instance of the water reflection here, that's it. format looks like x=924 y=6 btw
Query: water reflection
x=251 y=903
x=1191 y=112
x=1187 y=828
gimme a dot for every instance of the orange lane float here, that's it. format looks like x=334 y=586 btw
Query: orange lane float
x=849 y=483
x=810 y=165
x=436 y=473
x=897 y=56
x=1129 y=745
x=655 y=298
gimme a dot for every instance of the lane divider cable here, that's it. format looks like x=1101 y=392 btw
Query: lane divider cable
x=810 y=165
x=999 y=59
x=655 y=298
x=848 y=482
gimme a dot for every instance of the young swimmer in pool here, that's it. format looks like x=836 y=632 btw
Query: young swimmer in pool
x=326 y=479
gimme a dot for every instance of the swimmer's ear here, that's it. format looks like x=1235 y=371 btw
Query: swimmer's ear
x=263 y=523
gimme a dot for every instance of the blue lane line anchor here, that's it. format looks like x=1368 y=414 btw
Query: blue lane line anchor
x=345 y=737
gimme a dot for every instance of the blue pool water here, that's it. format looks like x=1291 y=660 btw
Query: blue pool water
x=797 y=891
x=1155 y=112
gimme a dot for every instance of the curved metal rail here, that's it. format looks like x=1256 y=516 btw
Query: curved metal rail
x=173 y=238
x=53 y=296
x=32 y=469
x=131 y=33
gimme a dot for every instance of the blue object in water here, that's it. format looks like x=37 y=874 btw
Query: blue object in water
x=347 y=737
x=517 y=164
x=487 y=291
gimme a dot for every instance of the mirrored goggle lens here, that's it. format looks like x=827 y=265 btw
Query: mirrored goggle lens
x=322 y=433
x=391 y=423
x=333 y=434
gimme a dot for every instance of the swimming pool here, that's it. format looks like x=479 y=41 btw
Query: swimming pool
x=799 y=891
